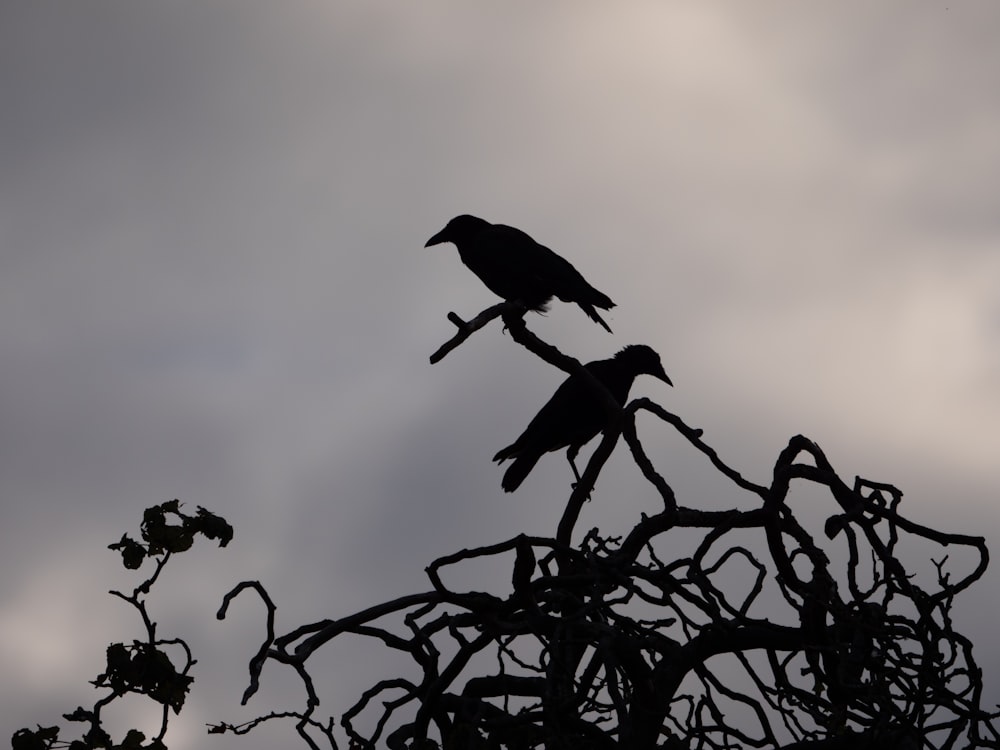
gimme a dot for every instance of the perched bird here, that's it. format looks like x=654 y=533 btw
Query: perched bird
x=514 y=266
x=575 y=414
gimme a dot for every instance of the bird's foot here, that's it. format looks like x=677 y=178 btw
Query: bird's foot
x=572 y=486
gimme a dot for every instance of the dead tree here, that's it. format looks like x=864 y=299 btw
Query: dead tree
x=621 y=642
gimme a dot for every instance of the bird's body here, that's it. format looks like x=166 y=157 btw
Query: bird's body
x=575 y=414
x=515 y=267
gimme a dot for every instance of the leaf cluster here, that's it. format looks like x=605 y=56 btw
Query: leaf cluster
x=145 y=666
x=160 y=536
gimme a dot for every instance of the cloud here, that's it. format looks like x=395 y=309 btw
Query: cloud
x=213 y=284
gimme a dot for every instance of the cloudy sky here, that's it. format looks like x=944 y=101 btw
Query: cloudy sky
x=213 y=287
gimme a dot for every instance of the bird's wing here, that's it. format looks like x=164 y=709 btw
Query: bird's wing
x=571 y=417
x=565 y=282
x=507 y=261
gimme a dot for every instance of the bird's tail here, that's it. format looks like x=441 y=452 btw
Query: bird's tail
x=522 y=466
x=599 y=299
x=592 y=314
x=518 y=470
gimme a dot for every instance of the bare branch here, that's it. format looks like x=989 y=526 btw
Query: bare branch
x=467 y=328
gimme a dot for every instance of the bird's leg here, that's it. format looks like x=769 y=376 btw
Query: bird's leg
x=571 y=457
x=518 y=308
x=571 y=453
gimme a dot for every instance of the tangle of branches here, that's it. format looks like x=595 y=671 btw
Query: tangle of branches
x=643 y=641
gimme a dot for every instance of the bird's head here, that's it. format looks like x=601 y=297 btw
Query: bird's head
x=643 y=360
x=460 y=229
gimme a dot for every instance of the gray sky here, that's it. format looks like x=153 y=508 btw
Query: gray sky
x=213 y=286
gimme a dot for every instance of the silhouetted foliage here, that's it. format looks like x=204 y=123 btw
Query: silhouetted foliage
x=716 y=629
x=143 y=667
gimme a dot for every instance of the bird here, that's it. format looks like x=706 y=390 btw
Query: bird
x=515 y=267
x=575 y=414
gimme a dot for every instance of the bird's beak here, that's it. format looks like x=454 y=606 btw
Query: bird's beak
x=437 y=239
x=663 y=376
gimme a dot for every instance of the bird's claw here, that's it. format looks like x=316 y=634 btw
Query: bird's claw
x=573 y=486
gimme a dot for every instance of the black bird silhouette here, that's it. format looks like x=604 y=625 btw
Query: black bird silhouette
x=514 y=266
x=575 y=414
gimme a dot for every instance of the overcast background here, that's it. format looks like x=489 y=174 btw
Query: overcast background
x=213 y=287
